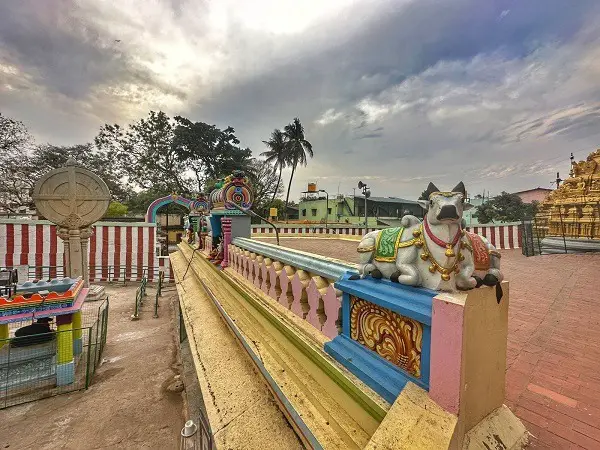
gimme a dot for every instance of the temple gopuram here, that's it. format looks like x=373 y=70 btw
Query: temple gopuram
x=570 y=215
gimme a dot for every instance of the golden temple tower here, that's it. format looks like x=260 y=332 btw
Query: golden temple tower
x=573 y=210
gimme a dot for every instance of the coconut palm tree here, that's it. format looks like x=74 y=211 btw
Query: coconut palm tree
x=297 y=149
x=276 y=154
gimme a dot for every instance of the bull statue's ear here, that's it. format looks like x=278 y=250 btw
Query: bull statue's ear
x=467 y=206
x=424 y=204
x=431 y=189
x=460 y=187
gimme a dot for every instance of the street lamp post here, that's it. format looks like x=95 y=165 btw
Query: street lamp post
x=367 y=193
x=326 y=210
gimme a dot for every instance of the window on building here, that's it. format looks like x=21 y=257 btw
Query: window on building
x=304 y=212
x=314 y=212
x=328 y=210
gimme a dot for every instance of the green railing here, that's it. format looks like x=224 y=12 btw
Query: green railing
x=108 y=273
x=161 y=276
x=140 y=295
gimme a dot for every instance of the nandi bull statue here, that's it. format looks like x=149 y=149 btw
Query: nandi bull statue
x=436 y=253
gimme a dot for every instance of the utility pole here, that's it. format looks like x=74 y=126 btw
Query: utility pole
x=367 y=193
x=558 y=180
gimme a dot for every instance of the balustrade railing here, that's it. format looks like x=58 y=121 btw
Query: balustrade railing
x=301 y=282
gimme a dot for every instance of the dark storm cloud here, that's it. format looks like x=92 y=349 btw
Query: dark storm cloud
x=410 y=38
x=369 y=136
x=441 y=45
x=575 y=124
x=405 y=41
x=461 y=85
x=64 y=53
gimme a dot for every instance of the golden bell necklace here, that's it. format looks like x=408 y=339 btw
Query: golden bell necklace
x=449 y=245
x=427 y=256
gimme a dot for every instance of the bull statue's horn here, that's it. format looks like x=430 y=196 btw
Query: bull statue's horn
x=460 y=187
x=431 y=189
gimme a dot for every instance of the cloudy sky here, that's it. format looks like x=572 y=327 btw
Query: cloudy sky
x=392 y=92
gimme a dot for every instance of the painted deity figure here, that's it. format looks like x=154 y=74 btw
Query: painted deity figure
x=191 y=238
x=216 y=255
x=202 y=232
x=436 y=253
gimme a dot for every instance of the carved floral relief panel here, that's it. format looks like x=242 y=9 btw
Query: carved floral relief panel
x=396 y=338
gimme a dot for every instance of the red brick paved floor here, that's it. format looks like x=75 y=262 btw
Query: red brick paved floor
x=553 y=377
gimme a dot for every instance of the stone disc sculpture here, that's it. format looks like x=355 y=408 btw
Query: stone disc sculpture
x=73 y=198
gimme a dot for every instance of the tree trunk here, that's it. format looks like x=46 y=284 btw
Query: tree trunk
x=287 y=198
x=277 y=185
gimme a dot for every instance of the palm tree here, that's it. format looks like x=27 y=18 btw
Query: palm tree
x=296 y=150
x=276 y=154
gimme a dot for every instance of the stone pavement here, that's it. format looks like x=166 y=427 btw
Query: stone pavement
x=553 y=378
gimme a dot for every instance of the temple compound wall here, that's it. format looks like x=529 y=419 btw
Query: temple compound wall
x=117 y=251
x=506 y=236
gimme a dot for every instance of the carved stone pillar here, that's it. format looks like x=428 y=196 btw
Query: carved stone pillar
x=75 y=256
x=85 y=235
x=63 y=233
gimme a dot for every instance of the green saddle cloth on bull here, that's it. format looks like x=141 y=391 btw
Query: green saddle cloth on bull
x=387 y=244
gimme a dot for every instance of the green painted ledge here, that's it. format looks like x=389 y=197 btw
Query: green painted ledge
x=312 y=350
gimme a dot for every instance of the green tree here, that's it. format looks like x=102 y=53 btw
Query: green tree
x=144 y=153
x=116 y=209
x=22 y=164
x=276 y=154
x=265 y=184
x=138 y=202
x=505 y=208
x=15 y=183
x=13 y=136
x=485 y=213
x=46 y=157
x=298 y=149
x=208 y=151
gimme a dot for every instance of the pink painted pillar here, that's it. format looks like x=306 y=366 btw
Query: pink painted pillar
x=469 y=333
x=332 y=305
x=446 y=353
x=226 y=227
x=313 y=292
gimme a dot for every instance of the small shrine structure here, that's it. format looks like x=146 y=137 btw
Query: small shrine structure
x=61 y=299
x=229 y=200
x=570 y=215
x=195 y=222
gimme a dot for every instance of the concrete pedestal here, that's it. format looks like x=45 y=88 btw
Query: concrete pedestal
x=65 y=365
x=3 y=334
x=77 y=334
x=556 y=245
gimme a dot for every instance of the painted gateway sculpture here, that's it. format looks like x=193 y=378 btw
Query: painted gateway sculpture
x=436 y=253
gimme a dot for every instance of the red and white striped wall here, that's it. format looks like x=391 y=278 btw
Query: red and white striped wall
x=304 y=230
x=116 y=250
x=505 y=236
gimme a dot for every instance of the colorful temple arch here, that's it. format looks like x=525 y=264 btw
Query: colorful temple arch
x=198 y=204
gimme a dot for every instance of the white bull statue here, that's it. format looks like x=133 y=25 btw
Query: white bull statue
x=436 y=253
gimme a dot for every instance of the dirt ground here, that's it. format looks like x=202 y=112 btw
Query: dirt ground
x=128 y=405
